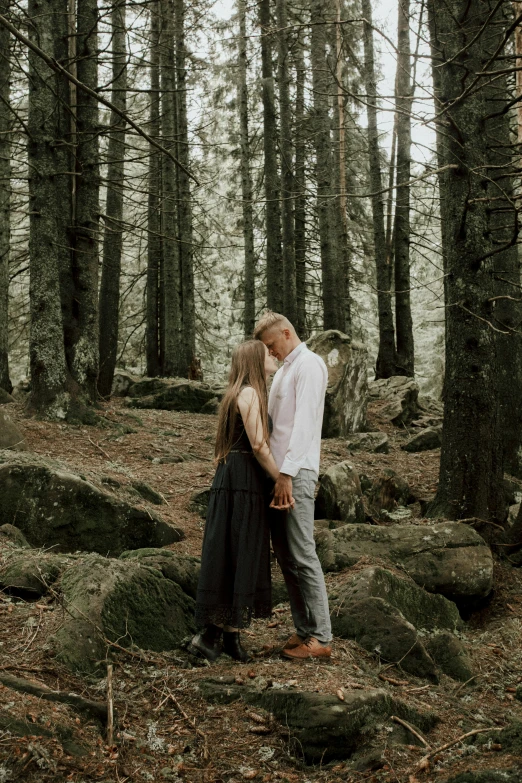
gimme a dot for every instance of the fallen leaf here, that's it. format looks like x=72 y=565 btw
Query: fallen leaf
x=340 y=694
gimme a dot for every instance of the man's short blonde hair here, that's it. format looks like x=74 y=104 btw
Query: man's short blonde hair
x=268 y=321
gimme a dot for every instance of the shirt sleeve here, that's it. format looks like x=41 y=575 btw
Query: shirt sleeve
x=310 y=388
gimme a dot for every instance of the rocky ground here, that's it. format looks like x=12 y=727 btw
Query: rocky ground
x=180 y=721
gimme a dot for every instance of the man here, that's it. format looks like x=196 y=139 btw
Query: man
x=296 y=406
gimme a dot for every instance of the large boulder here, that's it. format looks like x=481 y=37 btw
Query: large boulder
x=118 y=601
x=402 y=394
x=424 y=610
x=428 y=438
x=379 y=627
x=182 y=569
x=383 y=612
x=11 y=436
x=448 y=558
x=121 y=383
x=173 y=394
x=347 y=390
x=59 y=509
x=320 y=726
x=340 y=495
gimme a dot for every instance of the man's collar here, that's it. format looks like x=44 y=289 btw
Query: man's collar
x=293 y=354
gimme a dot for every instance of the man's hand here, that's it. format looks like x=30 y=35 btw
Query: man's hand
x=283 y=493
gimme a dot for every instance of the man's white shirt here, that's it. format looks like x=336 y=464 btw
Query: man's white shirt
x=296 y=406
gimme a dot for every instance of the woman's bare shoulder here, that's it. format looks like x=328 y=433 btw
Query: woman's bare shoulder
x=247 y=394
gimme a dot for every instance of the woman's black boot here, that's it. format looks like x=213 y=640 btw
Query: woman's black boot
x=232 y=647
x=207 y=643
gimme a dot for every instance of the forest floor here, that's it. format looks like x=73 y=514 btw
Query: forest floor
x=165 y=730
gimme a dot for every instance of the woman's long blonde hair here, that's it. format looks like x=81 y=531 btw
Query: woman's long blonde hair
x=247 y=369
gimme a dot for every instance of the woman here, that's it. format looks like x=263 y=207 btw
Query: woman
x=234 y=582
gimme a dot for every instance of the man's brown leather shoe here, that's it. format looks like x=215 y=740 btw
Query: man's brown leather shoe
x=294 y=641
x=311 y=648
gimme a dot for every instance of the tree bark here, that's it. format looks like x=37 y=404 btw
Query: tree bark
x=385 y=366
x=5 y=198
x=323 y=147
x=345 y=304
x=274 y=289
x=50 y=391
x=171 y=306
x=186 y=240
x=113 y=234
x=404 y=356
x=81 y=333
x=249 y=313
x=154 y=244
x=471 y=468
x=287 y=174
x=300 y=191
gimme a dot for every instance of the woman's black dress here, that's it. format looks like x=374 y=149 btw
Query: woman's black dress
x=234 y=581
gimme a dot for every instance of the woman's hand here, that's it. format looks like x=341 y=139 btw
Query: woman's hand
x=285 y=507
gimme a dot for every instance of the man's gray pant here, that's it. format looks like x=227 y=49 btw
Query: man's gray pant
x=294 y=547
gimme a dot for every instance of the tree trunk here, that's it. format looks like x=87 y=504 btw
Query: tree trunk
x=504 y=232
x=172 y=359
x=81 y=334
x=186 y=240
x=471 y=468
x=404 y=357
x=274 y=289
x=340 y=206
x=249 y=314
x=154 y=212
x=113 y=234
x=323 y=147
x=287 y=174
x=386 y=354
x=300 y=191
x=50 y=392
x=5 y=198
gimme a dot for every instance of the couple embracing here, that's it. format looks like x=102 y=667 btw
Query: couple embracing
x=265 y=448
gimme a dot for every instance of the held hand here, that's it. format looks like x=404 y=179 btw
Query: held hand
x=283 y=492
x=283 y=508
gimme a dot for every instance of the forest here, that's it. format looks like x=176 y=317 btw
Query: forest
x=169 y=171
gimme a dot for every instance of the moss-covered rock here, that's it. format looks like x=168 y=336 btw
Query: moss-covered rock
x=30 y=573
x=199 y=502
x=5 y=397
x=424 y=610
x=118 y=600
x=450 y=655
x=321 y=727
x=12 y=534
x=426 y=439
x=374 y=442
x=56 y=508
x=347 y=390
x=148 y=493
x=171 y=394
x=11 y=436
x=181 y=569
x=340 y=495
x=448 y=558
x=379 y=627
